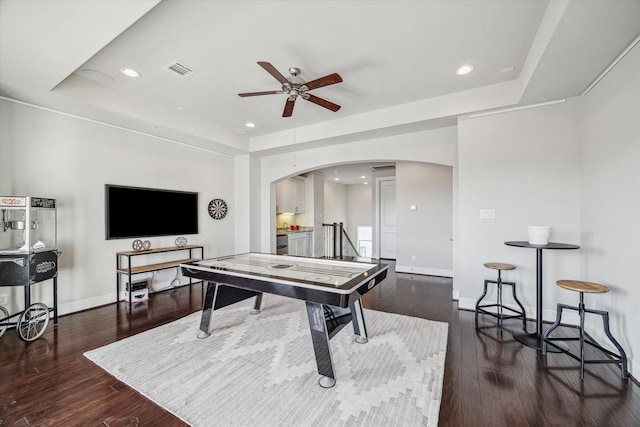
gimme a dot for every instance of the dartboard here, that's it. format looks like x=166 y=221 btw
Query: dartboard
x=217 y=209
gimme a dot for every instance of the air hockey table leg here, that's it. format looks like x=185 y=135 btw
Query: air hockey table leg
x=321 y=346
x=256 y=306
x=357 y=319
x=207 y=310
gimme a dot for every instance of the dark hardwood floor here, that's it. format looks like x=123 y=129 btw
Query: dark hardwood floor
x=490 y=379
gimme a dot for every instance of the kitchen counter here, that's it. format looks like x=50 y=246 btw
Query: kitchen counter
x=283 y=231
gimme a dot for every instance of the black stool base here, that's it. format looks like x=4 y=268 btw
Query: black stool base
x=500 y=308
x=534 y=340
x=620 y=358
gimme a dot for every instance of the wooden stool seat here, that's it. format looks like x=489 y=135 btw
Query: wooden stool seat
x=499 y=266
x=582 y=286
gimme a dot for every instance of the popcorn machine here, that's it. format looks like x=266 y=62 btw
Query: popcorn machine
x=28 y=255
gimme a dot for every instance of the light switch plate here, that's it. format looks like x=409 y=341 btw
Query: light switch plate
x=487 y=214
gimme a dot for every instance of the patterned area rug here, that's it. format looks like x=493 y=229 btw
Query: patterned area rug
x=259 y=370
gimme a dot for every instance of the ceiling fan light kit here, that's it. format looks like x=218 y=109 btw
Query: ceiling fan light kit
x=294 y=87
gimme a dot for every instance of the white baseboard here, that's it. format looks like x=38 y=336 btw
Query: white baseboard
x=423 y=270
x=85 y=304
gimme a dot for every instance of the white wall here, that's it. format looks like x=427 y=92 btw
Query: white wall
x=256 y=199
x=610 y=205
x=335 y=203
x=433 y=146
x=242 y=207
x=47 y=154
x=526 y=166
x=359 y=213
x=426 y=233
x=317 y=195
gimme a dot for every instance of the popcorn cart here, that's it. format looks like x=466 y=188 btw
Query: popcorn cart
x=28 y=255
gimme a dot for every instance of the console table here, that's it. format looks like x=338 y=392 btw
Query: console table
x=124 y=263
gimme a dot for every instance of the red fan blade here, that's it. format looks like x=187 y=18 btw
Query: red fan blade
x=272 y=70
x=331 y=79
x=322 y=102
x=270 y=92
x=288 y=108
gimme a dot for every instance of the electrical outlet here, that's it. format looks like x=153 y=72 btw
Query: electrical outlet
x=4 y=299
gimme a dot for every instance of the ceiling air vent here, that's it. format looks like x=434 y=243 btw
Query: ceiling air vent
x=179 y=69
x=383 y=167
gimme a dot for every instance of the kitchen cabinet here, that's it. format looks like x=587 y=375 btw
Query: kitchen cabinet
x=298 y=196
x=300 y=243
x=290 y=196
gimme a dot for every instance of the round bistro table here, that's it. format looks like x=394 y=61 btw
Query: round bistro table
x=534 y=339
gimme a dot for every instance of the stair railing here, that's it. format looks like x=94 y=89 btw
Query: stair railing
x=337 y=243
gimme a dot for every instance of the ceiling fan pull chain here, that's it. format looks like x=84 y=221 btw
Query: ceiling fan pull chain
x=294 y=141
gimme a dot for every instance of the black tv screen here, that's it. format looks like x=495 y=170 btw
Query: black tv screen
x=147 y=212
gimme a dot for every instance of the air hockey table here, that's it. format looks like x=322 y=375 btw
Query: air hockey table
x=332 y=290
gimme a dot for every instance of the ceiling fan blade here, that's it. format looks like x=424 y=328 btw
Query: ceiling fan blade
x=288 y=108
x=322 y=102
x=272 y=70
x=331 y=79
x=269 y=92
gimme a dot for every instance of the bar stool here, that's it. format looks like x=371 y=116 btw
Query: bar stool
x=591 y=288
x=499 y=313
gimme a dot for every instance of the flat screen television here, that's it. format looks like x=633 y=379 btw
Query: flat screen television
x=133 y=212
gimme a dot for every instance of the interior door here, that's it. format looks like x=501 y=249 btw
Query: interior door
x=388 y=219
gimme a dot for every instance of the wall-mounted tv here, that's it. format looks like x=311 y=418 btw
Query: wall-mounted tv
x=133 y=212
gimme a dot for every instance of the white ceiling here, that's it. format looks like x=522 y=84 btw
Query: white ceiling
x=397 y=60
x=355 y=173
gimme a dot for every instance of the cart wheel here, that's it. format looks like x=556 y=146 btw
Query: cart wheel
x=33 y=322
x=4 y=320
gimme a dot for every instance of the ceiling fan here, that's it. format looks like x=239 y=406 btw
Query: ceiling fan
x=295 y=87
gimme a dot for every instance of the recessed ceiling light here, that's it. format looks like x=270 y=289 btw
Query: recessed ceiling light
x=465 y=69
x=363 y=177
x=130 y=72
x=365 y=183
x=337 y=179
x=506 y=70
x=181 y=108
x=250 y=125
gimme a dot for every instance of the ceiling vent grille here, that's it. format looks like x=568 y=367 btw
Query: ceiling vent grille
x=383 y=167
x=179 y=69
